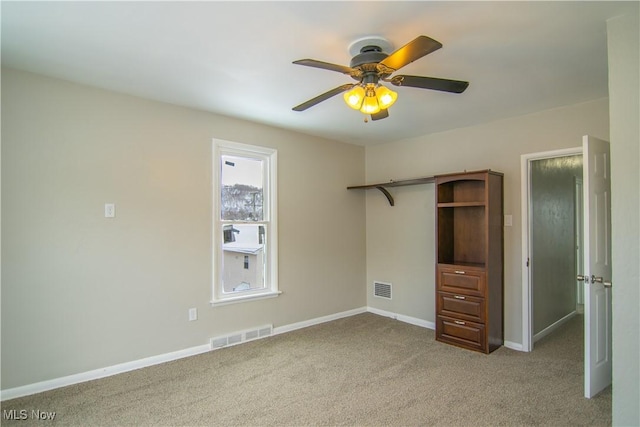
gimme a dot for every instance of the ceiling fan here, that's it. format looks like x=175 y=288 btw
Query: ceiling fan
x=370 y=66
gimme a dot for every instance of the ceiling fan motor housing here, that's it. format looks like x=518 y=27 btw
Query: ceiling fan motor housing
x=368 y=55
x=367 y=61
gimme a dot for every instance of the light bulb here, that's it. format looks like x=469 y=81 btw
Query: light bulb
x=354 y=97
x=386 y=97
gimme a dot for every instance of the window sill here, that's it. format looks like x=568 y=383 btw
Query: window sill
x=244 y=298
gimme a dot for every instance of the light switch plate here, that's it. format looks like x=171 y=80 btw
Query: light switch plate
x=109 y=210
x=508 y=220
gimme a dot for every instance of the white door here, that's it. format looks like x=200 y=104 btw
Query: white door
x=597 y=264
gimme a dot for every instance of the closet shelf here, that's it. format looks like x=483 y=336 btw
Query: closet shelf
x=382 y=187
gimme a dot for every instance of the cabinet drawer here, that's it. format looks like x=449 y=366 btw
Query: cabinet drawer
x=461 y=332
x=461 y=281
x=461 y=306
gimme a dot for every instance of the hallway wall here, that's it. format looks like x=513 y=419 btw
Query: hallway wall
x=553 y=226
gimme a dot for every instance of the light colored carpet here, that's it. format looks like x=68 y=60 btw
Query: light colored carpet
x=363 y=370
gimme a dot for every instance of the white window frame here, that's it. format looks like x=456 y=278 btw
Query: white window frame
x=269 y=156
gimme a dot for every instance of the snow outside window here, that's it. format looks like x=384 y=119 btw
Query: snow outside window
x=244 y=222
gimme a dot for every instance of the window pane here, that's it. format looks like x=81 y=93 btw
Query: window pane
x=243 y=257
x=242 y=188
x=245 y=226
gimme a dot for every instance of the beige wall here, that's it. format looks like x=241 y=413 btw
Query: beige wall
x=81 y=292
x=400 y=241
x=624 y=91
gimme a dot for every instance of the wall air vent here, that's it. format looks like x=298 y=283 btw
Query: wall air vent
x=382 y=290
x=241 y=336
x=219 y=342
x=234 y=339
x=251 y=335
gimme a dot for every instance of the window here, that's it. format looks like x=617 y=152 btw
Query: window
x=244 y=222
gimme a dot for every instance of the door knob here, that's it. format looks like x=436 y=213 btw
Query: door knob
x=582 y=278
x=595 y=279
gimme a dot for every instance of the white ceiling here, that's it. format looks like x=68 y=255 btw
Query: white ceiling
x=234 y=58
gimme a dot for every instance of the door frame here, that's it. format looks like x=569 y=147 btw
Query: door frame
x=579 y=233
x=525 y=197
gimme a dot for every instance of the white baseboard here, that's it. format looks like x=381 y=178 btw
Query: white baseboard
x=39 y=387
x=428 y=325
x=401 y=317
x=549 y=329
x=95 y=374
x=317 y=320
x=514 y=345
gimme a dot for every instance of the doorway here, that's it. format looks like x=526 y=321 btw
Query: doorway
x=597 y=258
x=552 y=215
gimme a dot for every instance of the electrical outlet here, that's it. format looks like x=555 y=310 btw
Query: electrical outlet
x=193 y=314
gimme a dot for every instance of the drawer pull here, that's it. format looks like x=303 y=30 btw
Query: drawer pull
x=458 y=297
x=459 y=272
x=459 y=322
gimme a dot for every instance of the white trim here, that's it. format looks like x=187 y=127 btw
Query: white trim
x=95 y=374
x=401 y=317
x=42 y=386
x=549 y=329
x=525 y=178
x=39 y=387
x=318 y=320
x=270 y=193
x=513 y=345
x=524 y=209
x=244 y=298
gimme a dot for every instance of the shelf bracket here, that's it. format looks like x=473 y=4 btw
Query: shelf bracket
x=386 y=194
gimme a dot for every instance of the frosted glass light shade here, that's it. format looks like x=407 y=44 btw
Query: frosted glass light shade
x=370 y=105
x=354 y=97
x=370 y=99
x=386 y=97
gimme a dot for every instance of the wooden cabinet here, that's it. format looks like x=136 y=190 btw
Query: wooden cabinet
x=469 y=257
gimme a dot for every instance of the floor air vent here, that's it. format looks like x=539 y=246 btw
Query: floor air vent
x=241 y=336
x=382 y=290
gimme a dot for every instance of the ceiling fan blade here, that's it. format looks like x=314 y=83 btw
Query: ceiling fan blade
x=415 y=49
x=327 y=66
x=318 y=99
x=455 y=86
x=382 y=114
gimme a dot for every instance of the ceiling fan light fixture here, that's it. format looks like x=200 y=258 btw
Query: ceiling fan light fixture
x=354 y=97
x=370 y=99
x=386 y=97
